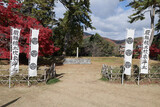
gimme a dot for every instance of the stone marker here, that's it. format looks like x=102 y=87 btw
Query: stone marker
x=77 y=61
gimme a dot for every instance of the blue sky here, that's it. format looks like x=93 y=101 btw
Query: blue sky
x=124 y=5
x=110 y=18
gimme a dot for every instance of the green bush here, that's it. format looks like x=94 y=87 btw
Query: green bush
x=104 y=79
x=53 y=81
x=158 y=57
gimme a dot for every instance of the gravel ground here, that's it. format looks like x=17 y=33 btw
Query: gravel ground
x=80 y=87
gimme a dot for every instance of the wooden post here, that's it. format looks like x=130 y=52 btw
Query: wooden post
x=29 y=56
x=123 y=76
x=138 y=78
x=45 y=73
x=9 y=81
x=111 y=72
x=10 y=58
x=77 y=51
x=28 y=81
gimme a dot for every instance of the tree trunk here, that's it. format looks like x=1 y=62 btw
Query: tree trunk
x=65 y=44
x=152 y=15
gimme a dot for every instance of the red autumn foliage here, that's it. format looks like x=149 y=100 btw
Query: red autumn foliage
x=154 y=51
x=9 y=16
x=137 y=50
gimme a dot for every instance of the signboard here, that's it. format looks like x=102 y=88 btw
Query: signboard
x=145 y=51
x=33 y=53
x=128 y=51
x=15 y=34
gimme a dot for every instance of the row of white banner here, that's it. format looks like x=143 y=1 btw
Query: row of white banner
x=129 y=51
x=32 y=71
x=14 y=60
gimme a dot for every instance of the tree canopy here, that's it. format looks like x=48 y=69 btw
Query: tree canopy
x=10 y=16
x=143 y=6
x=42 y=10
x=70 y=28
x=96 y=46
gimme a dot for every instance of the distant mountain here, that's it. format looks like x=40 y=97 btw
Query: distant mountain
x=110 y=41
x=115 y=42
x=120 y=42
x=87 y=34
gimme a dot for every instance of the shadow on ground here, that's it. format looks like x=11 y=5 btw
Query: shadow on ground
x=59 y=75
x=11 y=102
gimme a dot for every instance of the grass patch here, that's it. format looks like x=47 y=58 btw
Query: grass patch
x=116 y=70
x=4 y=62
x=117 y=61
x=53 y=81
x=103 y=79
x=108 y=59
x=155 y=68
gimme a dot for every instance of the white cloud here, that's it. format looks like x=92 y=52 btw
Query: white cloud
x=103 y=8
x=59 y=10
x=110 y=19
x=114 y=25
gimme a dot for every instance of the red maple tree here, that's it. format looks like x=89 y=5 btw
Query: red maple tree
x=10 y=17
x=154 y=51
x=137 y=50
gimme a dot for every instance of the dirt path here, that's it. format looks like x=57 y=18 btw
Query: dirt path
x=80 y=87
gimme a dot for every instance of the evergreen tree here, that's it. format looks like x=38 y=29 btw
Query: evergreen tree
x=42 y=10
x=75 y=20
x=70 y=28
x=96 y=46
x=143 y=6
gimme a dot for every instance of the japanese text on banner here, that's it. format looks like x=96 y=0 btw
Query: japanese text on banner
x=145 y=51
x=15 y=34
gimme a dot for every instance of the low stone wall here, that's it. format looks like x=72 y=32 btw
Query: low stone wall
x=77 y=61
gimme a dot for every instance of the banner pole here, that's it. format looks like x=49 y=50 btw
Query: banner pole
x=123 y=76
x=10 y=57
x=28 y=81
x=9 y=81
x=77 y=51
x=123 y=65
x=45 y=74
x=29 y=57
x=138 y=78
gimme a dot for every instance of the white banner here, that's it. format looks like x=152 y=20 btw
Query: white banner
x=145 y=51
x=128 y=51
x=33 y=53
x=15 y=34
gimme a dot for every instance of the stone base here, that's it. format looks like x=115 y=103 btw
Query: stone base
x=77 y=61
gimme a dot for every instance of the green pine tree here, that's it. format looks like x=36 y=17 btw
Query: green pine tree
x=96 y=46
x=75 y=20
x=143 y=6
x=42 y=10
